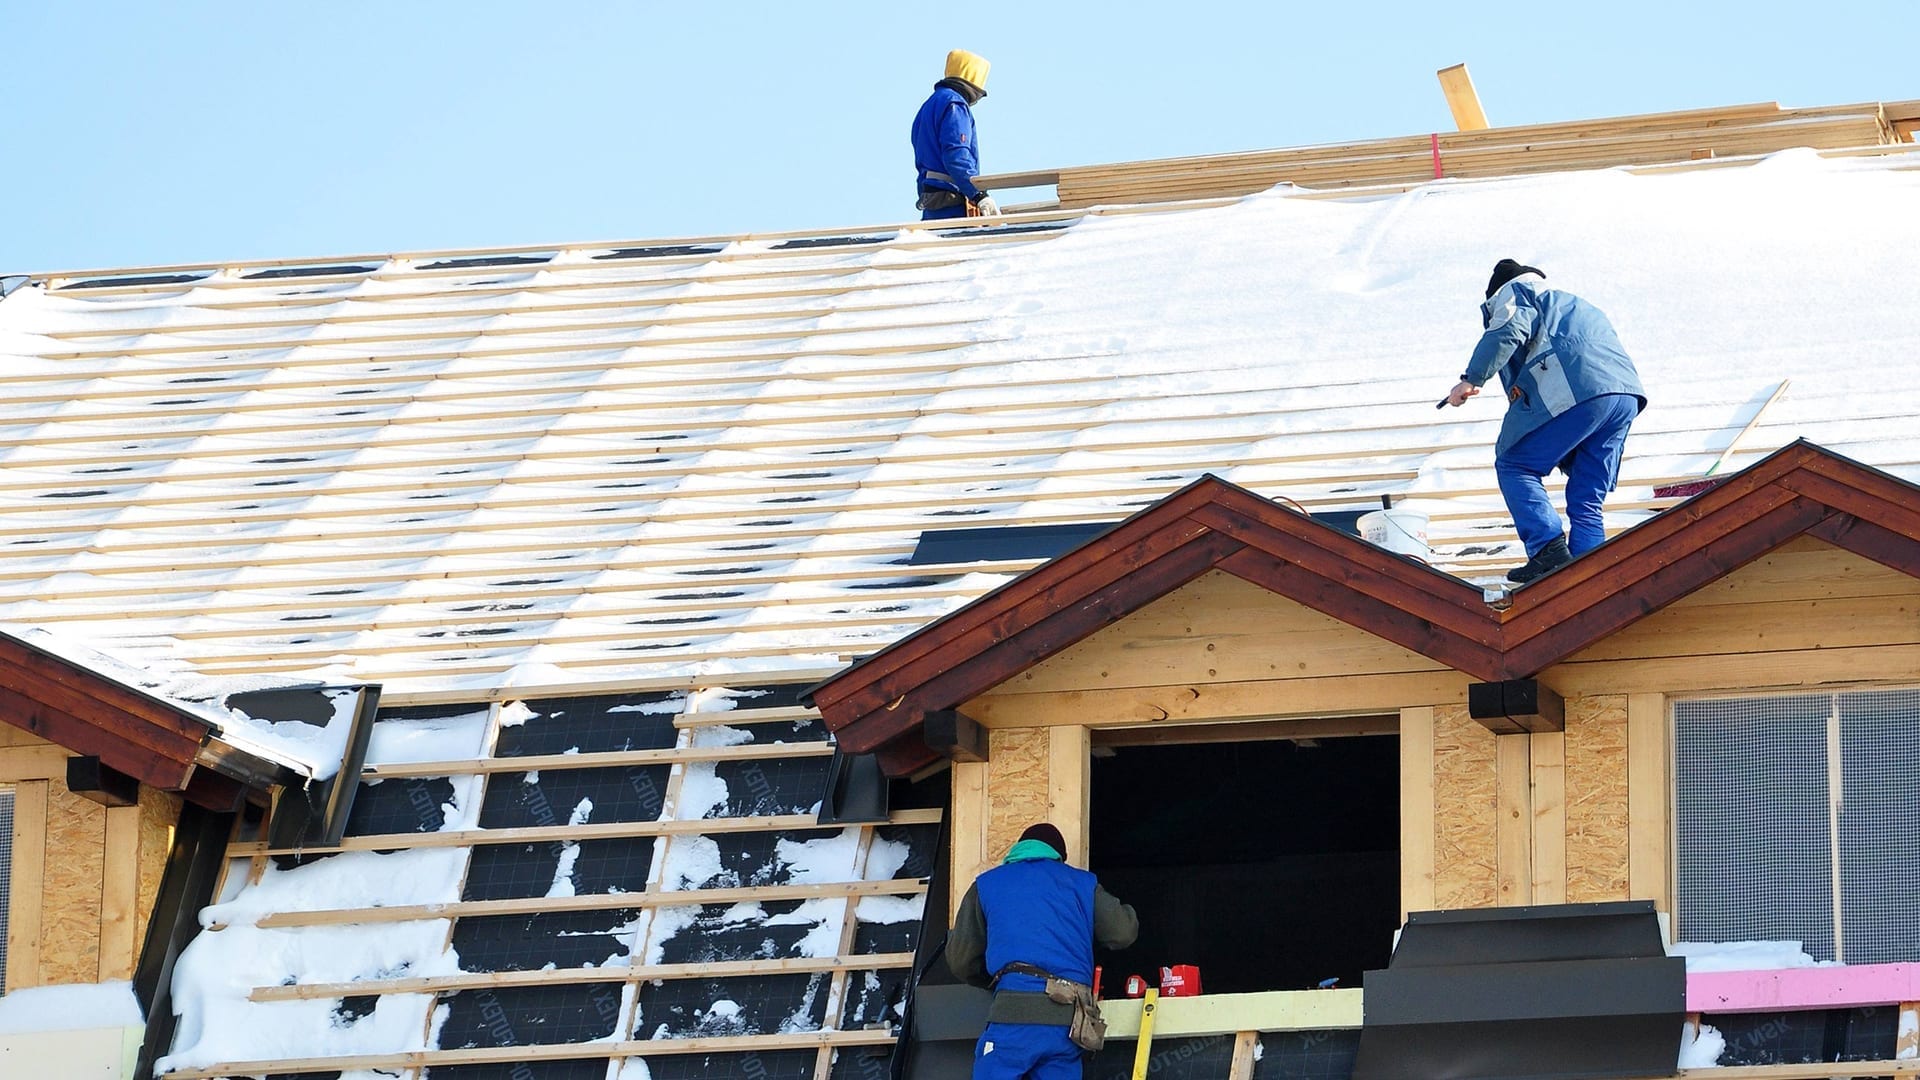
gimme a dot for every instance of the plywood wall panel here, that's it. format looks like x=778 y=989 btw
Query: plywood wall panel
x=1596 y=783
x=70 y=891
x=1018 y=782
x=1465 y=801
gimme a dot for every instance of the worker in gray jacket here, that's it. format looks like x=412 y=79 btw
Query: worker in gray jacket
x=1030 y=917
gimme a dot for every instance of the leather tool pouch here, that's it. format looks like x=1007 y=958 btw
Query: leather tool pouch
x=1088 y=1029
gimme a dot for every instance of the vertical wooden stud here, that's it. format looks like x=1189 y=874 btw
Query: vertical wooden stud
x=1245 y=1043
x=1416 y=810
x=1069 y=775
x=120 y=893
x=26 y=891
x=1547 y=751
x=1650 y=802
x=968 y=830
x=1906 y=1046
x=1513 y=821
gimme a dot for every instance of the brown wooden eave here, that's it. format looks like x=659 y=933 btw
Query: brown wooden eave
x=878 y=704
x=88 y=714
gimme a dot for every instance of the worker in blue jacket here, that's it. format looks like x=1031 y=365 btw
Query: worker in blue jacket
x=1572 y=393
x=946 y=148
x=1033 y=913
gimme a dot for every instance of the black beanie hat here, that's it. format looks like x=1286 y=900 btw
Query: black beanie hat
x=1048 y=835
x=1506 y=270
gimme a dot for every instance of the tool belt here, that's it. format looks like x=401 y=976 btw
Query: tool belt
x=1063 y=1002
x=942 y=199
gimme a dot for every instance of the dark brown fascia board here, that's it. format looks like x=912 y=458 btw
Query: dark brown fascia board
x=88 y=714
x=1800 y=489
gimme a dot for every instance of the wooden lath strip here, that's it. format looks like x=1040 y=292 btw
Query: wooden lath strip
x=420 y=1059
x=608 y=759
x=788 y=676
x=553 y=834
x=540 y=905
x=493 y=331
x=745 y=717
x=379 y=310
x=483 y=980
x=273 y=648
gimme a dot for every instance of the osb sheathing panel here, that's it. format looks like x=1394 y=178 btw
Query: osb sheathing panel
x=1017 y=785
x=1217 y=628
x=1596 y=779
x=159 y=812
x=1465 y=873
x=70 y=896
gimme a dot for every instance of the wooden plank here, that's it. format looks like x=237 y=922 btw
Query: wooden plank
x=1245 y=1043
x=1069 y=787
x=1548 y=820
x=1462 y=100
x=34 y=761
x=1416 y=810
x=1229 y=1014
x=1650 y=799
x=1513 y=822
x=1763 y=671
x=27 y=884
x=968 y=830
x=1310 y=727
x=553 y=834
x=1201 y=703
x=592 y=902
x=120 y=894
x=480 y=980
x=1598 y=808
x=602 y=760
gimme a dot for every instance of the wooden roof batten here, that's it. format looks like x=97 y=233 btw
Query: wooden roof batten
x=878 y=704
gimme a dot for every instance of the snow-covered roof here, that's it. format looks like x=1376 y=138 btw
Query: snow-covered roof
x=615 y=464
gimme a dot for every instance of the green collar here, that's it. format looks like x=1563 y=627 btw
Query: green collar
x=1028 y=850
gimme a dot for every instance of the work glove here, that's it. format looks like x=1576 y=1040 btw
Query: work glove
x=988 y=208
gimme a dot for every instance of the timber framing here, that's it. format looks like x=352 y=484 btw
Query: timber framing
x=879 y=705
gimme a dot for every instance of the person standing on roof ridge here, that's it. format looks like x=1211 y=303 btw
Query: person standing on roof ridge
x=1572 y=393
x=1031 y=921
x=946 y=147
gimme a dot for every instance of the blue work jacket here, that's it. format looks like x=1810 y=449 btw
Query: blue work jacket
x=1040 y=912
x=1552 y=351
x=946 y=149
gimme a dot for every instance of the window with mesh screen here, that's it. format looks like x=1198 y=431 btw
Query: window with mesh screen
x=1764 y=850
x=6 y=876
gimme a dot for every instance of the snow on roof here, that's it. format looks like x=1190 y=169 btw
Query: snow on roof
x=451 y=474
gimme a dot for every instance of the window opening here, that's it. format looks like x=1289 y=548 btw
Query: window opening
x=1270 y=864
x=1790 y=820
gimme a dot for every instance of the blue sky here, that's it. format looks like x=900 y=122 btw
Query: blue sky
x=139 y=134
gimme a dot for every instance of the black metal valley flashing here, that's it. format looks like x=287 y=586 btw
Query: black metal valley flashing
x=1552 y=992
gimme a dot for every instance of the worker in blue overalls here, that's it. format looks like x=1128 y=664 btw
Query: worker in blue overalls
x=946 y=148
x=1030 y=917
x=1572 y=393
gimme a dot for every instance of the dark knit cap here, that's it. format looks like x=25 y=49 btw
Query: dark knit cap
x=1048 y=835
x=1506 y=270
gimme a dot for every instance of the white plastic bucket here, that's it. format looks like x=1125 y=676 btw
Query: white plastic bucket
x=1402 y=531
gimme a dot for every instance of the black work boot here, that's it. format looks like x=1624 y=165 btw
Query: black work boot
x=1549 y=558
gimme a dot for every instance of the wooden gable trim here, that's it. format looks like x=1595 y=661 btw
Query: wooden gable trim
x=878 y=705
x=88 y=714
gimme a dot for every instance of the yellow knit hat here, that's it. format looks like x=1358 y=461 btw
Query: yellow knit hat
x=972 y=67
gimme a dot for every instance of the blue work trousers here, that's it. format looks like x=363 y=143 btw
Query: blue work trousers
x=1025 y=1052
x=1587 y=439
